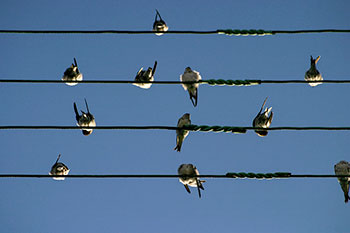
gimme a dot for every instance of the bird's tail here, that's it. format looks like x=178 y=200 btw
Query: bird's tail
x=178 y=148
x=87 y=107
x=194 y=97
x=58 y=158
x=179 y=141
x=347 y=197
x=76 y=112
x=157 y=14
x=154 y=68
x=199 y=187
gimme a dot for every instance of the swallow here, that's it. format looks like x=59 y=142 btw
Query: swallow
x=145 y=76
x=313 y=74
x=191 y=76
x=343 y=168
x=159 y=25
x=181 y=134
x=59 y=169
x=263 y=120
x=72 y=74
x=187 y=173
x=85 y=119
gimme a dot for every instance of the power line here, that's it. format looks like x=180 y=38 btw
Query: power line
x=203 y=128
x=212 y=82
x=230 y=32
x=231 y=175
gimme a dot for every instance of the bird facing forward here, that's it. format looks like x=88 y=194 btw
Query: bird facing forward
x=187 y=173
x=191 y=76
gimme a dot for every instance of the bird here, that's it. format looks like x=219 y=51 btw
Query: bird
x=59 y=169
x=159 y=25
x=192 y=88
x=85 y=119
x=145 y=76
x=72 y=74
x=187 y=173
x=343 y=168
x=313 y=74
x=263 y=120
x=181 y=134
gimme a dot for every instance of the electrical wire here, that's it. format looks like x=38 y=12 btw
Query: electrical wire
x=241 y=175
x=203 y=128
x=236 y=32
x=212 y=82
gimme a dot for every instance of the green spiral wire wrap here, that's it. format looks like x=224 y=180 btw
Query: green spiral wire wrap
x=216 y=128
x=250 y=32
x=230 y=82
x=250 y=175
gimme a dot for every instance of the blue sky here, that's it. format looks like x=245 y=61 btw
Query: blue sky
x=163 y=205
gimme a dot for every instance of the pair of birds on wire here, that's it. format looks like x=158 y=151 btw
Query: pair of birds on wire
x=187 y=173
x=188 y=176
x=262 y=120
x=143 y=79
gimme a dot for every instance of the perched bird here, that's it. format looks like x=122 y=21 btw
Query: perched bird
x=192 y=88
x=159 y=25
x=343 y=168
x=263 y=120
x=187 y=173
x=313 y=74
x=147 y=76
x=181 y=134
x=59 y=169
x=85 y=119
x=72 y=74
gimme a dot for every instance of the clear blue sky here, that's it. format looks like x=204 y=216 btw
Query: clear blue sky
x=163 y=205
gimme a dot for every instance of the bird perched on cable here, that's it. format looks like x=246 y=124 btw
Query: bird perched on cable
x=191 y=76
x=313 y=74
x=85 y=119
x=59 y=169
x=72 y=74
x=263 y=120
x=159 y=25
x=145 y=76
x=187 y=173
x=343 y=168
x=181 y=134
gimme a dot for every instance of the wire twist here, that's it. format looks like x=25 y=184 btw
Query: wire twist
x=251 y=175
x=250 y=32
x=216 y=128
x=230 y=82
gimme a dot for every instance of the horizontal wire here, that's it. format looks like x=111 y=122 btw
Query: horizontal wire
x=236 y=32
x=241 y=175
x=213 y=82
x=204 y=128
